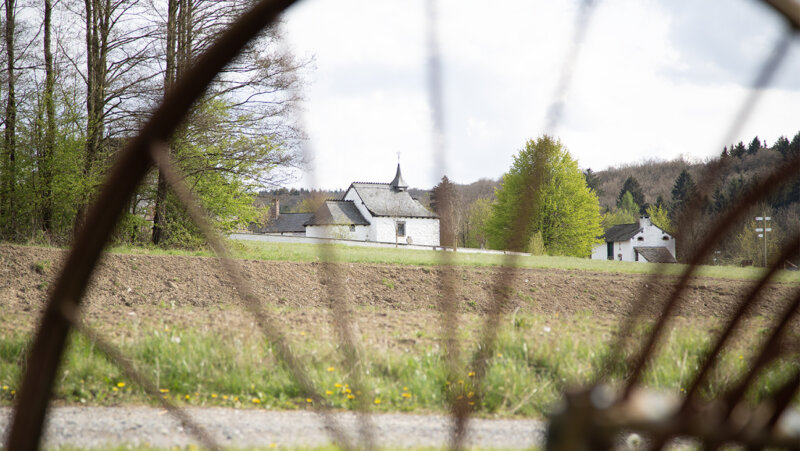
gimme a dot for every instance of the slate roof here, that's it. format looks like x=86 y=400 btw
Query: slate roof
x=622 y=232
x=398 y=183
x=656 y=254
x=285 y=223
x=337 y=212
x=381 y=199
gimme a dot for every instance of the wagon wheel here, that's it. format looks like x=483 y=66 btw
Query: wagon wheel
x=590 y=418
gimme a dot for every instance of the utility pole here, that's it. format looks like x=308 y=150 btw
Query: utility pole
x=762 y=233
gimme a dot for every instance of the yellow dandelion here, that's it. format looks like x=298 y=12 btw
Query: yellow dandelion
x=120 y=384
x=13 y=392
x=164 y=390
x=196 y=394
x=330 y=369
x=273 y=445
x=351 y=396
x=500 y=354
x=346 y=385
x=406 y=395
x=337 y=385
x=347 y=390
x=471 y=374
x=225 y=397
x=460 y=382
x=328 y=392
x=470 y=394
x=303 y=333
x=214 y=395
x=114 y=389
x=187 y=397
x=309 y=400
x=256 y=401
x=5 y=387
x=405 y=388
x=165 y=396
x=377 y=401
x=741 y=357
x=235 y=398
x=471 y=403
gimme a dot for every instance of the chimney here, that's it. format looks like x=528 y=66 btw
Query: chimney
x=276 y=208
x=644 y=221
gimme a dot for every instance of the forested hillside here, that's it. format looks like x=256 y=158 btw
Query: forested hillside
x=663 y=189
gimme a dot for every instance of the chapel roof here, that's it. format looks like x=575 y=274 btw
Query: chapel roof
x=337 y=212
x=398 y=184
x=382 y=199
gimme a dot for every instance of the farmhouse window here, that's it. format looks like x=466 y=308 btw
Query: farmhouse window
x=401 y=228
x=641 y=238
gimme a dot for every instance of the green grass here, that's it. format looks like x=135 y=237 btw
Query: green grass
x=527 y=371
x=253 y=250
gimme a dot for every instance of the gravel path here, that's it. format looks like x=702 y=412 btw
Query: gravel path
x=98 y=427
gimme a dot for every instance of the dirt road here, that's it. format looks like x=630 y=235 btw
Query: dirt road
x=100 y=427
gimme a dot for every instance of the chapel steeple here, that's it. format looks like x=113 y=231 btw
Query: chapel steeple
x=398 y=184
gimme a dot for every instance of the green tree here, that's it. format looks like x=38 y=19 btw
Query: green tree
x=754 y=147
x=738 y=150
x=545 y=192
x=593 y=181
x=619 y=216
x=627 y=204
x=660 y=217
x=782 y=146
x=683 y=192
x=632 y=186
x=446 y=202
x=478 y=215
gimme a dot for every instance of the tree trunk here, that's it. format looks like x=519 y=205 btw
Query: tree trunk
x=177 y=12
x=9 y=137
x=46 y=164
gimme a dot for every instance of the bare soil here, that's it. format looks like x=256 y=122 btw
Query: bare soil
x=398 y=301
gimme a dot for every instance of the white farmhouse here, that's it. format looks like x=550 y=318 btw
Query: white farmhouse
x=641 y=241
x=381 y=212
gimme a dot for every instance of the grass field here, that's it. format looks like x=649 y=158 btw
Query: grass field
x=354 y=254
x=535 y=360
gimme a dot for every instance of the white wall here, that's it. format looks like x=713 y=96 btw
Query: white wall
x=342 y=232
x=650 y=236
x=423 y=231
x=600 y=251
x=653 y=237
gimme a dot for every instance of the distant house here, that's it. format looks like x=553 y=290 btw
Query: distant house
x=641 y=241
x=283 y=223
x=381 y=212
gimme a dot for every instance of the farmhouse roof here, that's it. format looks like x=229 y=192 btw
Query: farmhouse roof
x=381 y=199
x=656 y=254
x=622 y=232
x=337 y=212
x=285 y=223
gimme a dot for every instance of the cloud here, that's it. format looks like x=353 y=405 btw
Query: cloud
x=655 y=79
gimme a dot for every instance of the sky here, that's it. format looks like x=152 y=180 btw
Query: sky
x=653 y=80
